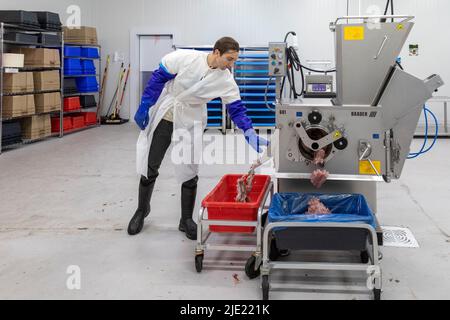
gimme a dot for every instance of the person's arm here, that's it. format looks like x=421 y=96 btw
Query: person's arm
x=156 y=85
x=151 y=94
x=238 y=114
x=168 y=69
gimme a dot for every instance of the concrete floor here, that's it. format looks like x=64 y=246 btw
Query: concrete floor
x=68 y=201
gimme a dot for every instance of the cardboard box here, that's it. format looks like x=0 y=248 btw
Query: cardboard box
x=36 y=127
x=20 y=82
x=18 y=106
x=82 y=35
x=40 y=57
x=13 y=60
x=47 y=80
x=47 y=102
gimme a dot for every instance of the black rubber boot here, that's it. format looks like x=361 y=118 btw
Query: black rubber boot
x=145 y=193
x=188 y=194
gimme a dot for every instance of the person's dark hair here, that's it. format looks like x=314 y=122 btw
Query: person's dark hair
x=226 y=44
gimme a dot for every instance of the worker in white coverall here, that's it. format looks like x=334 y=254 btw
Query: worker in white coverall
x=175 y=100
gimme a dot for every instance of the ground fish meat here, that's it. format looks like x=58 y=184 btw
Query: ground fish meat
x=319 y=157
x=244 y=187
x=319 y=177
x=317 y=207
x=245 y=183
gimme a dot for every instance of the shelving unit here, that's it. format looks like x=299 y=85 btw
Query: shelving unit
x=251 y=75
x=67 y=132
x=4 y=46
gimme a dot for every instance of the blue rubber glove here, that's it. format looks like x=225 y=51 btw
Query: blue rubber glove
x=255 y=141
x=238 y=113
x=141 y=117
x=151 y=95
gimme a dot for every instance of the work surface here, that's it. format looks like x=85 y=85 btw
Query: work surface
x=67 y=202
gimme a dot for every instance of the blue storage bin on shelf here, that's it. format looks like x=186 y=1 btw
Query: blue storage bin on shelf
x=70 y=51
x=88 y=67
x=87 y=84
x=90 y=53
x=72 y=67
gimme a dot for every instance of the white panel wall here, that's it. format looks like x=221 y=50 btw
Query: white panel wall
x=197 y=22
x=254 y=22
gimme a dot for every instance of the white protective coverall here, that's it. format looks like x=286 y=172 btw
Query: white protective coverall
x=188 y=93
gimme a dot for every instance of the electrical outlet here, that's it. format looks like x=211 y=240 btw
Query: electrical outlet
x=119 y=57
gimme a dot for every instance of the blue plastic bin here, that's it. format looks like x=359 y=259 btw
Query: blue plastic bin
x=87 y=84
x=72 y=67
x=70 y=51
x=345 y=209
x=88 y=67
x=90 y=53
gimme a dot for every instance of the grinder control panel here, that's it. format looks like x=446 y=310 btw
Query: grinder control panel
x=277 y=59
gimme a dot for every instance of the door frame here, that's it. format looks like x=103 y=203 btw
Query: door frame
x=135 y=35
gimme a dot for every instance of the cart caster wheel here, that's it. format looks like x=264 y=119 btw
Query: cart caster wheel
x=199 y=263
x=265 y=287
x=250 y=268
x=274 y=253
x=377 y=294
x=364 y=257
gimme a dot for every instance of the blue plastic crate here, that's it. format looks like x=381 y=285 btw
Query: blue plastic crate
x=87 y=84
x=88 y=67
x=72 y=67
x=90 y=53
x=70 y=51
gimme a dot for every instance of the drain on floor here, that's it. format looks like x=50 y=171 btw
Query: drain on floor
x=399 y=237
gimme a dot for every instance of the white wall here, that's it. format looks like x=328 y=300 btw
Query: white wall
x=254 y=22
x=197 y=22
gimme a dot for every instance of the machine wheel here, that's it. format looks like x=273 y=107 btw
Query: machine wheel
x=199 y=263
x=265 y=287
x=274 y=253
x=377 y=294
x=364 y=256
x=250 y=268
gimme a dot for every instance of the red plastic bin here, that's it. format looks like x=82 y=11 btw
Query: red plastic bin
x=221 y=203
x=78 y=122
x=90 y=118
x=67 y=124
x=72 y=103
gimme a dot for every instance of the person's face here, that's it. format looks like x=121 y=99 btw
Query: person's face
x=227 y=60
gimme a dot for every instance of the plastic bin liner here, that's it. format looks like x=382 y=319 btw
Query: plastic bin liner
x=345 y=208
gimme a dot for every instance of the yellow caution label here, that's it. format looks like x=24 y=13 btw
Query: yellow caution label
x=400 y=26
x=354 y=33
x=366 y=168
x=337 y=135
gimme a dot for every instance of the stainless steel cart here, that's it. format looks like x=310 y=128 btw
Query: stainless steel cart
x=370 y=261
x=254 y=262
